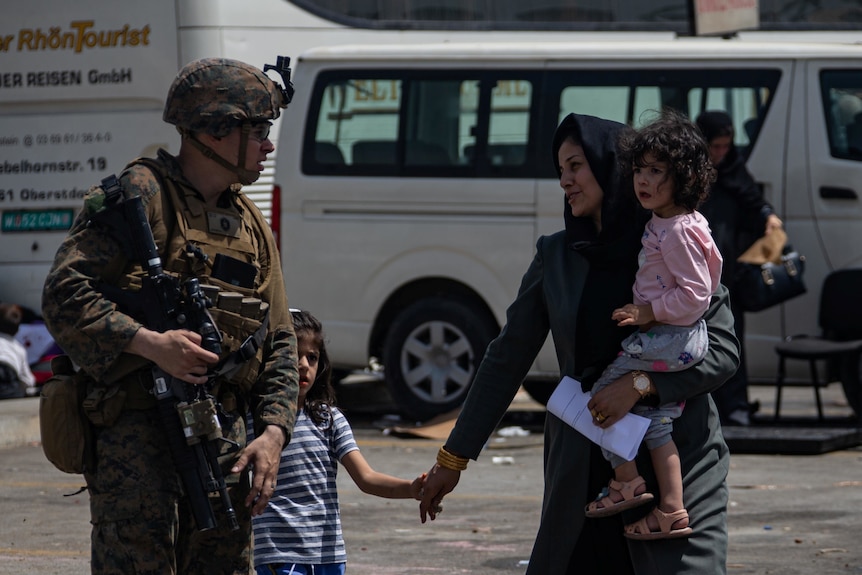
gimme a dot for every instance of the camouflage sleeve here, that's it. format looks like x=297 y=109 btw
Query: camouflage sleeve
x=274 y=394
x=86 y=325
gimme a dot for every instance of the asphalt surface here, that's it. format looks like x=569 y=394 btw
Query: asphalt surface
x=789 y=514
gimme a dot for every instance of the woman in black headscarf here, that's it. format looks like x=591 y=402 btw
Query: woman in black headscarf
x=738 y=214
x=577 y=278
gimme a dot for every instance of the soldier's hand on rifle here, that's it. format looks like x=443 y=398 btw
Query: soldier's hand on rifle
x=177 y=352
x=265 y=454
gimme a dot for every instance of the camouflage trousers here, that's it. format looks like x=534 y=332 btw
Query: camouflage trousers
x=141 y=522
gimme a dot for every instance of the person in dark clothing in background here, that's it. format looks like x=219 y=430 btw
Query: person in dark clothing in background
x=738 y=214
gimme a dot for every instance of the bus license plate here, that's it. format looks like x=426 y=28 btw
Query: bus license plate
x=36 y=220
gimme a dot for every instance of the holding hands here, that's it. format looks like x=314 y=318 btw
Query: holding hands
x=442 y=479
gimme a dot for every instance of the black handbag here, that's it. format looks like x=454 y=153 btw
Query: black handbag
x=758 y=287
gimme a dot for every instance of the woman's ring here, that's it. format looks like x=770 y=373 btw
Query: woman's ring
x=600 y=417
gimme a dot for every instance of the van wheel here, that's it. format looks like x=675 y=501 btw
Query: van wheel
x=431 y=354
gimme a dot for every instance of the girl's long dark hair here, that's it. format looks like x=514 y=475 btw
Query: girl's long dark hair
x=321 y=397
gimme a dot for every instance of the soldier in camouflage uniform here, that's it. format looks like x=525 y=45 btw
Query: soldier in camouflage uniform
x=141 y=522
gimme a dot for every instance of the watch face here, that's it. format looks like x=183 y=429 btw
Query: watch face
x=641 y=382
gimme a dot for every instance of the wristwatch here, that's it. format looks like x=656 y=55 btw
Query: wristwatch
x=641 y=383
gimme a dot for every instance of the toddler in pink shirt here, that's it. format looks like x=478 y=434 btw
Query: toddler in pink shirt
x=679 y=269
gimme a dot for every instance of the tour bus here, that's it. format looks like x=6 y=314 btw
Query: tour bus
x=82 y=84
x=416 y=180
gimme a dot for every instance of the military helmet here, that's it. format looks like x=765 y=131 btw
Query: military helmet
x=214 y=95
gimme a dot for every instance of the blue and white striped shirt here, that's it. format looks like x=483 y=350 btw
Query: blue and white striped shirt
x=302 y=522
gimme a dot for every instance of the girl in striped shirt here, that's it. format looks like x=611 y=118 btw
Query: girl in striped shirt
x=299 y=533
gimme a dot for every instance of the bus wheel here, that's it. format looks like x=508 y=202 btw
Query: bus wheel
x=431 y=354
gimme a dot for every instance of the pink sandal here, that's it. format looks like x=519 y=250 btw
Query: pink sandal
x=604 y=506
x=640 y=529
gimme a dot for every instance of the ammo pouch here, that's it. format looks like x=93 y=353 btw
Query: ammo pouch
x=67 y=436
x=102 y=405
x=246 y=353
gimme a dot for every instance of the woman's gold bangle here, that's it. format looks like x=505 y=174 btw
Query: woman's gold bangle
x=449 y=460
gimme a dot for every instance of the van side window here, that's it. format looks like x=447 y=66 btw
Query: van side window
x=609 y=102
x=403 y=124
x=357 y=122
x=509 y=123
x=842 y=105
x=745 y=104
x=439 y=116
x=634 y=96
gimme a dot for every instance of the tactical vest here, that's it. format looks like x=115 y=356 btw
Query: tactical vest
x=239 y=313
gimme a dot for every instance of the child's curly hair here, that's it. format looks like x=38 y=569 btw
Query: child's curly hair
x=674 y=139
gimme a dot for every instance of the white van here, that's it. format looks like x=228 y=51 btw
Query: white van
x=415 y=181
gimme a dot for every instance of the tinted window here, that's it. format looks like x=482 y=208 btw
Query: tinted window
x=634 y=97
x=484 y=124
x=671 y=15
x=353 y=111
x=842 y=105
x=431 y=124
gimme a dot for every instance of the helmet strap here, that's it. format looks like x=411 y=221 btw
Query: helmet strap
x=245 y=176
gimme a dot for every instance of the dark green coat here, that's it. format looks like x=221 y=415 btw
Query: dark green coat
x=548 y=300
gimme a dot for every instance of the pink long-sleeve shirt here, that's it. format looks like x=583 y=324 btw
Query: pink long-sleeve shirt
x=680 y=268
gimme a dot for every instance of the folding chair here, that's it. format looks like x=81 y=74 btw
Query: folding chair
x=839 y=321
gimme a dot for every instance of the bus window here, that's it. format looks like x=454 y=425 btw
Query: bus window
x=569 y=15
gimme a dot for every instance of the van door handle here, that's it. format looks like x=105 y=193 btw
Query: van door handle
x=830 y=193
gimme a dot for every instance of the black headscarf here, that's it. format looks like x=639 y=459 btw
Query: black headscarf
x=621 y=214
x=715 y=124
x=735 y=208
x=612 y=253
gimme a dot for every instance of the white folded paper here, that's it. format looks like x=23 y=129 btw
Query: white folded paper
x=569 y=403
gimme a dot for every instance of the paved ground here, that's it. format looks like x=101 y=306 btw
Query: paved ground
x=789 y=514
